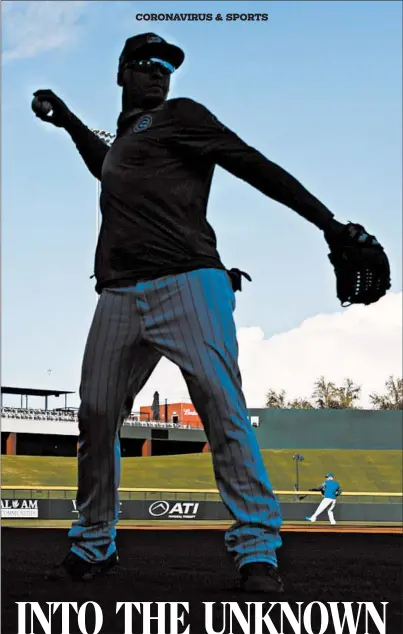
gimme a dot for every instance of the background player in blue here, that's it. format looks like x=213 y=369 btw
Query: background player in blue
x=330 y=490
x=165 y=292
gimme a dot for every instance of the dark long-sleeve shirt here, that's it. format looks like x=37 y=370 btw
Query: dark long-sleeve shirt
x=92 y=149
x=156 y=180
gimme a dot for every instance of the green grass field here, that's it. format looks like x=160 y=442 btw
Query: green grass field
x=377 y=471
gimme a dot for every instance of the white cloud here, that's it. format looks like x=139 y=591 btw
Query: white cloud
x=32 y=28
x=361 y=342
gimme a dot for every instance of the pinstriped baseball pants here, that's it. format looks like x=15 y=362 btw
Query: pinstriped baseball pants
x=187 y=318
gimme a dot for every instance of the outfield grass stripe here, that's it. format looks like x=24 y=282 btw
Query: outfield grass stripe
x=369 y=472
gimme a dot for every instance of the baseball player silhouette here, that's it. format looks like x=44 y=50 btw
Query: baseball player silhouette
x=330 y=490
x=164 y=292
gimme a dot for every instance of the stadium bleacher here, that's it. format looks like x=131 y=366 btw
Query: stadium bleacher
x=70 y=415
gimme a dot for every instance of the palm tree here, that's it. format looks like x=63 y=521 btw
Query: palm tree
x=392 y=399
x=276 y=400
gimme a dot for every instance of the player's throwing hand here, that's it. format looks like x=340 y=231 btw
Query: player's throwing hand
x=48 y=107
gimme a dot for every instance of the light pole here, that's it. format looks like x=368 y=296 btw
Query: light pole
x=298 y=458
x=108 y=138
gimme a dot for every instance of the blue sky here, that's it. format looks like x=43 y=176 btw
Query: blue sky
x=316 y=88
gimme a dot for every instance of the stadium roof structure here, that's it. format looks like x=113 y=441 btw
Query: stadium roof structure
x=29 y=391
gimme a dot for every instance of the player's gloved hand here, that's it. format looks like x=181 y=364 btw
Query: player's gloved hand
x=360 y=263
x=59 y=115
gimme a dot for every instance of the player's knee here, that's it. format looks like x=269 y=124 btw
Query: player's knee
x=90 y=414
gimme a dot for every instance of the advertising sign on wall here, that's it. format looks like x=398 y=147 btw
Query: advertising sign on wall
x=174 y=510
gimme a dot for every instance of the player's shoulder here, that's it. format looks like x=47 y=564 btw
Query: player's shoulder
x=185 y=108
x=185 y=103
x=187 y=112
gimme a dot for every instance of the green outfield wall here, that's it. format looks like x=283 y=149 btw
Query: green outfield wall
x=305 y=429
x=329 y=429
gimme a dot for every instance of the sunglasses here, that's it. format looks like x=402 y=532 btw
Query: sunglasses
x=151 y=65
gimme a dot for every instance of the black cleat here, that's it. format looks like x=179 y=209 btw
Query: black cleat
x=75 y=568
x=261 y=577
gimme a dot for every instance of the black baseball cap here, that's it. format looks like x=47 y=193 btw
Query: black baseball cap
x=149 y=45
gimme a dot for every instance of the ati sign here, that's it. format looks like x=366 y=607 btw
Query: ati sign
x=19 y=508
x=174 y=510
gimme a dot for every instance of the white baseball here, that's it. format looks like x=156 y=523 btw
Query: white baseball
x=47 y=106
x=43 y=106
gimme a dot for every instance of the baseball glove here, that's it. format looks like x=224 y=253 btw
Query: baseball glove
x=360 y=264
x=321 y=489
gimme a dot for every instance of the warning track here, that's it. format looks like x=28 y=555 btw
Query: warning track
x=291 y=528
x=288 y=527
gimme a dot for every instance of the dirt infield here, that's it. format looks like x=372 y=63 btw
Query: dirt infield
x=193 y=566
